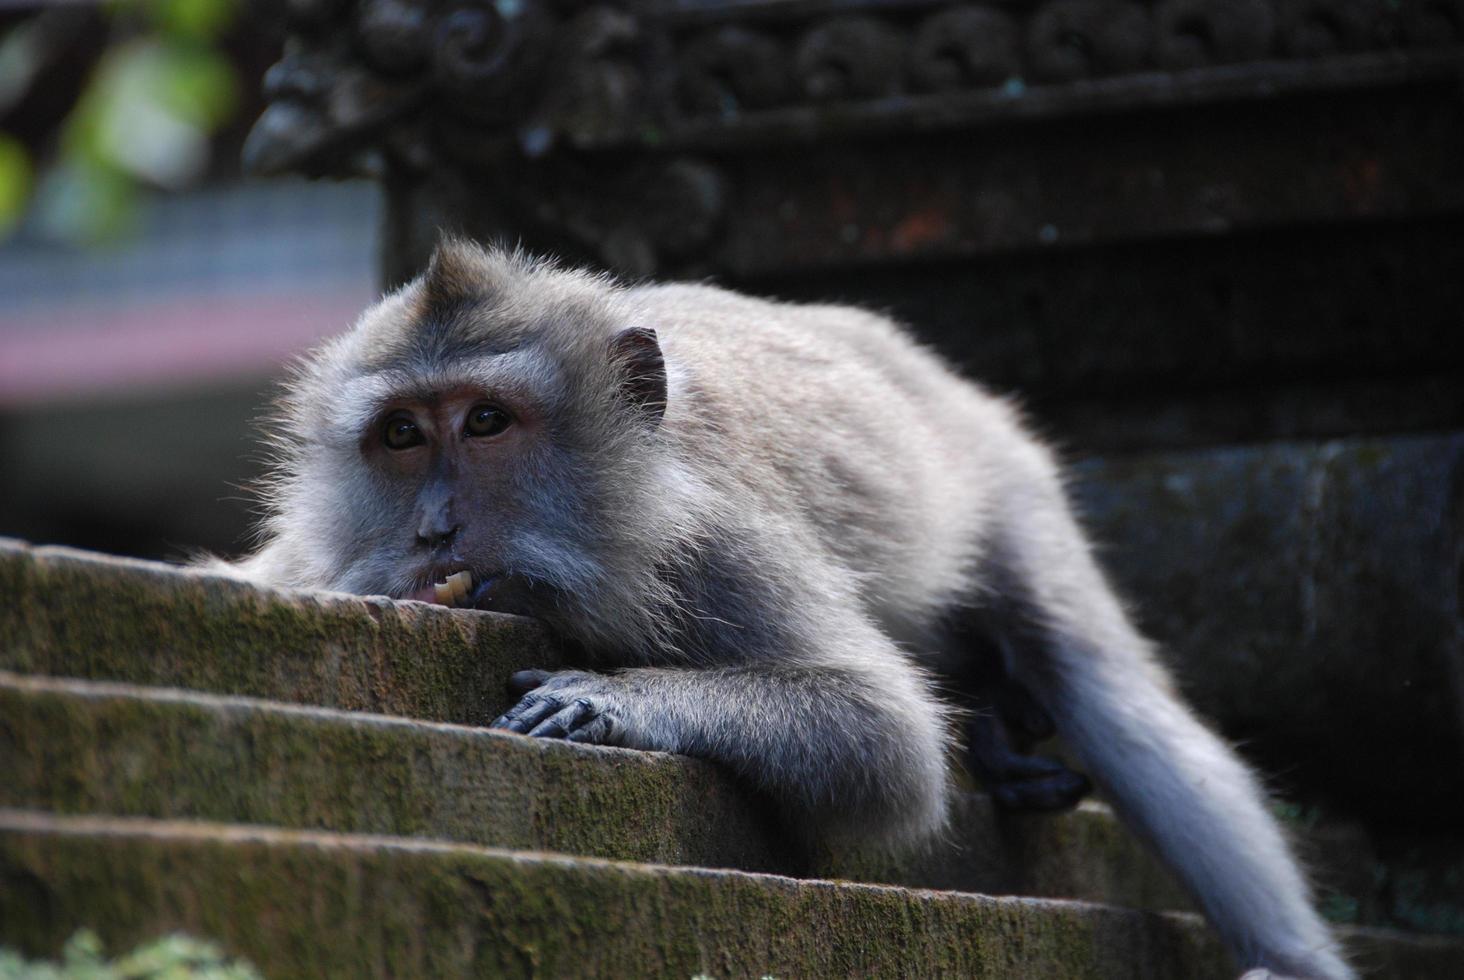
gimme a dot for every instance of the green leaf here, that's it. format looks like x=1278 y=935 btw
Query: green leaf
x=149 y=109
x=82 y=949
x=175 y=957
x=198 y=85
x=197 y=20
x=15 y=182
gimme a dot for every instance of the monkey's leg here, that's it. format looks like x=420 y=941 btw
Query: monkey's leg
x=852 y=743
x=1174 y=782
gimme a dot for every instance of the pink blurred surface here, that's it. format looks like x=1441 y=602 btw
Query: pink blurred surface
x=78 y=351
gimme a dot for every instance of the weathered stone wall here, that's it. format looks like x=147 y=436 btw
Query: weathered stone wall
x=1310 y=597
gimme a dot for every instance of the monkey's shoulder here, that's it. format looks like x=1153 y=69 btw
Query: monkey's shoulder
x=707 y=325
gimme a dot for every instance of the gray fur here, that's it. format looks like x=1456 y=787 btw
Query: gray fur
x=760 y=578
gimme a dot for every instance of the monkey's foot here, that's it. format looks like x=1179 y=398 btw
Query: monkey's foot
x=572 y=705
x=1038 y=783
x=1015 y=780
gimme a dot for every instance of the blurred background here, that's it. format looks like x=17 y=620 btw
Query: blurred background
x=149 y=292
x=1167 y=225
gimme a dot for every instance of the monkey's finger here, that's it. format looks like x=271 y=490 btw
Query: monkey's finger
x=562 y=723
x=525 y=681
x=507 y=716
x=513 y=714
x=537 y=712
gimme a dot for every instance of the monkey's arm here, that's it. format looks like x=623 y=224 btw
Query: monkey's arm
x=840 y=745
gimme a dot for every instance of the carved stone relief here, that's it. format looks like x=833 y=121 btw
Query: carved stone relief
x=522 y=86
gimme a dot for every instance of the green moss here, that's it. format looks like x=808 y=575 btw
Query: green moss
x=77 y=751
x=82 y=748
x=78 y=747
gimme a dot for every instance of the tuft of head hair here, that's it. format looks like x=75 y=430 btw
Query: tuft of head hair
x=462 y=273
x=482 y=300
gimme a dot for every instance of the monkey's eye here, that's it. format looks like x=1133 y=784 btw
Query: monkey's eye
x=486 y=420
x=401 y=432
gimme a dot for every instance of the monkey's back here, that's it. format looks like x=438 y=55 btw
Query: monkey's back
x=841 y=426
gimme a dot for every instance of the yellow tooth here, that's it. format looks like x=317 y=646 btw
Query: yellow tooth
x=461 y=582
x=444 y=594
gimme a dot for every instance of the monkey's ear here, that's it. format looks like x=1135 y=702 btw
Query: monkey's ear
x=643 y=381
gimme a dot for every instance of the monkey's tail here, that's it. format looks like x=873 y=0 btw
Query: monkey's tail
x=1178 y=785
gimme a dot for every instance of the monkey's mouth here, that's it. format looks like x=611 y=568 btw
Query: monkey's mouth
x=456 y=590
x=491 y=593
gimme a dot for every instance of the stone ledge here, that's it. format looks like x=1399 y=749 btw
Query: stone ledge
x=316 y=904
x=301 y=903
x=76 y=614
x=82 y=747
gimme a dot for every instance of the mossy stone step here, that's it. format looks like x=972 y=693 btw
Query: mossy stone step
x=83 y=747
x=313 y=904
x=316 y=904
x=74 y=614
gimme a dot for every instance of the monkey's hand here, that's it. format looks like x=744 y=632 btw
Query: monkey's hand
x=577 y=706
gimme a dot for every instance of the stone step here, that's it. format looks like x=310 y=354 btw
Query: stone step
x=80 y=747
x=69 y=613
x=310 y=903
x=82 y=615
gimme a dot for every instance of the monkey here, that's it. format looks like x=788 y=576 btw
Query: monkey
x=783 y=537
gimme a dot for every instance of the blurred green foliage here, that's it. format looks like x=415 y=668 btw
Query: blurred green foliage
x=174 y=957
x=143 y=120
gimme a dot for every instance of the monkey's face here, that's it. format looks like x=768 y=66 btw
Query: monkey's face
x=453 y=461
x=491 y=481
x=459 y=463
x=481 y=438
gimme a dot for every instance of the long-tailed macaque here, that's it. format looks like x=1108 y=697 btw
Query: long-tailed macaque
x=775 y=532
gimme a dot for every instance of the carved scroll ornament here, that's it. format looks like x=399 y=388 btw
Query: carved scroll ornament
x=534 y=103
x=361 y=74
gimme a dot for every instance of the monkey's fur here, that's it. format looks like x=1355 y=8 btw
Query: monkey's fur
x=768 y=527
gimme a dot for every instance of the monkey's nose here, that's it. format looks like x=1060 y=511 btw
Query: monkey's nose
x=438 y=537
